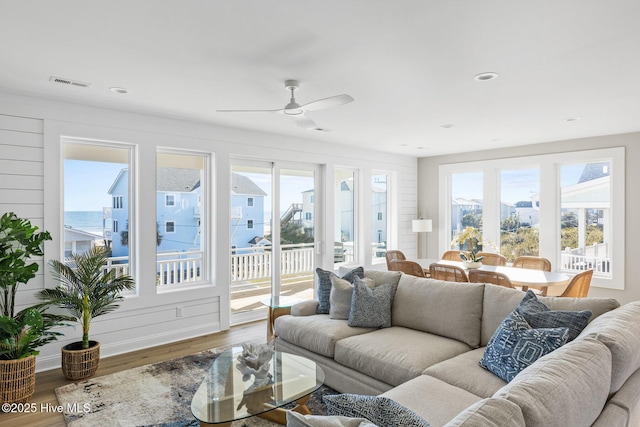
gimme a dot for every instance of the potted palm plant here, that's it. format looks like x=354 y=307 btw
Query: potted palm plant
x=21 y=333
x=87 y=289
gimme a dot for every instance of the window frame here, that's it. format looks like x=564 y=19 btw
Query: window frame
x=550 y=191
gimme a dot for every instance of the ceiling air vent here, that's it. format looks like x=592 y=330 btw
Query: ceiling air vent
x=68 y=82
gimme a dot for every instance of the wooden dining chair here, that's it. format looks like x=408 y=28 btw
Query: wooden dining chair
x=393 y=255
x=449 y=273
x=408 y=267
x=491 y=258
x=533 y=263
x=451 y=256
x=493 y=277
x=579 y=285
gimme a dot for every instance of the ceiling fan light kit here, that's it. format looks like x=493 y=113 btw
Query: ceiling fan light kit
x=297 y=111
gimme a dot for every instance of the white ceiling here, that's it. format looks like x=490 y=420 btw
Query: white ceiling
x=409 y=65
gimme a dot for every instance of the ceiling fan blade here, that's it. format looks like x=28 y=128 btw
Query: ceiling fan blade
x=304 y=121
x=249 y=111
x=332 y=101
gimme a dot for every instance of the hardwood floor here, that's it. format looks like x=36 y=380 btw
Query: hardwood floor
x=48 y=381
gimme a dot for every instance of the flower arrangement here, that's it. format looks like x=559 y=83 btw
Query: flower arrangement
x=473 y=238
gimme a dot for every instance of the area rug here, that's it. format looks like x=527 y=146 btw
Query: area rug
x=157 y=395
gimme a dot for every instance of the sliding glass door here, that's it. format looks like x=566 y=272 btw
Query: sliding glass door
x=273 y=234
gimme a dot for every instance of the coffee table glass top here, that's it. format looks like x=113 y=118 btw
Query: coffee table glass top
x=227 y=395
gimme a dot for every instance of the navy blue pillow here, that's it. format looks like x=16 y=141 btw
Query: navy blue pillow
x=515 y=345
x=324 y=286
x=538 y=315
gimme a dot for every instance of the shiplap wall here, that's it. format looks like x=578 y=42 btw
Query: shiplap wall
x=22 y=182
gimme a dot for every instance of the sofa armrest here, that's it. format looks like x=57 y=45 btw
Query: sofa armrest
x=305 y=308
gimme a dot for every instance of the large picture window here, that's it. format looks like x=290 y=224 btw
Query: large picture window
x=570 y=212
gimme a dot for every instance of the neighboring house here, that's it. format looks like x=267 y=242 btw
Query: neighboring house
x=177 y=210
x=247 y=213
x=78 y=241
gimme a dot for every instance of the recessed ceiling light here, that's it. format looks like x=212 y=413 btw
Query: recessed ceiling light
x=572 y=119
x=119 y=90
x=447 y=126
x=483 y=77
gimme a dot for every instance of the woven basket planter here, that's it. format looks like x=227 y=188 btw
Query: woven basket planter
x=79 y=363
x=17 y=379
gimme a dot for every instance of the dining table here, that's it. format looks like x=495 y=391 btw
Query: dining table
x=523 y=277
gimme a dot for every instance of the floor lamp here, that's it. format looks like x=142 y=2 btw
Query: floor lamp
x=421 y=226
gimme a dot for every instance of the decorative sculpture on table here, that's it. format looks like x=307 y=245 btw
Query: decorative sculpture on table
x=255 y=360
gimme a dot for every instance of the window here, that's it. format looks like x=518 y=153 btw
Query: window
x=568 y=211
x=379 y=209
x=95 y=208
x=117 y=202
x=181 y=206
x=519 y=212
x=249 y=223
x=344 y=219
x=250 y=202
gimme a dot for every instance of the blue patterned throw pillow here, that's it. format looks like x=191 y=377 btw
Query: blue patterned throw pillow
x=371 y=307
x=515 y=345
x=538 y=315
x=381 y=411
x=324 y=286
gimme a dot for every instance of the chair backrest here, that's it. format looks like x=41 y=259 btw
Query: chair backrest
x=408 y=267
x=449 y=273
x=492 y=259
x=391 y=255
x=481 y=276
x=451 y=256
x=579 y=285
x=532 y=262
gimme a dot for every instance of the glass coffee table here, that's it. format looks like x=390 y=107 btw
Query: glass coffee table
x=227 y=395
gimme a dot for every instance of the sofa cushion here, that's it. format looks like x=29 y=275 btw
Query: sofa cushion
x=538 y=315
x=395 y=355
x=500 y=301
x=341 y=295
x=371 y=307
x=568 y=387
x=464 y=371
x=324 y=286
x=490 y=412
x=620 y=331
x=317 y=333
x=432 y=399
x=382 y=411
x=516 y=345
x=295 y=419
x=418 y=304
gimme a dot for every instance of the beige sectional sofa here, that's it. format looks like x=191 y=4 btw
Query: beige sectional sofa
x=428 y=360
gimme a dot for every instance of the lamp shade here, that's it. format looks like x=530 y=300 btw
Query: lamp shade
x=421 y=225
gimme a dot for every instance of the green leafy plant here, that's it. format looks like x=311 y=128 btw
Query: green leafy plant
x=87 y=288
x=23 y=332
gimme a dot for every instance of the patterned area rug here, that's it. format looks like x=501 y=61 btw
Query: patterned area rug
x=156 y=395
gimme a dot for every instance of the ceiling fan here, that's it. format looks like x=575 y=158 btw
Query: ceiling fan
x=297 y=111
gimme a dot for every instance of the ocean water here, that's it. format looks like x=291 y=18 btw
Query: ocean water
x=90 y=221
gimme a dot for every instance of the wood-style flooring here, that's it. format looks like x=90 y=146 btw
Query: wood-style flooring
x=48 y=381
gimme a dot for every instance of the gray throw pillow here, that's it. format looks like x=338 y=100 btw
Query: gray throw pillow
x=381 y=411
x=324 y=286
x=515 y=345
x=538 y=315
x=371 y=307
x=341 y=295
